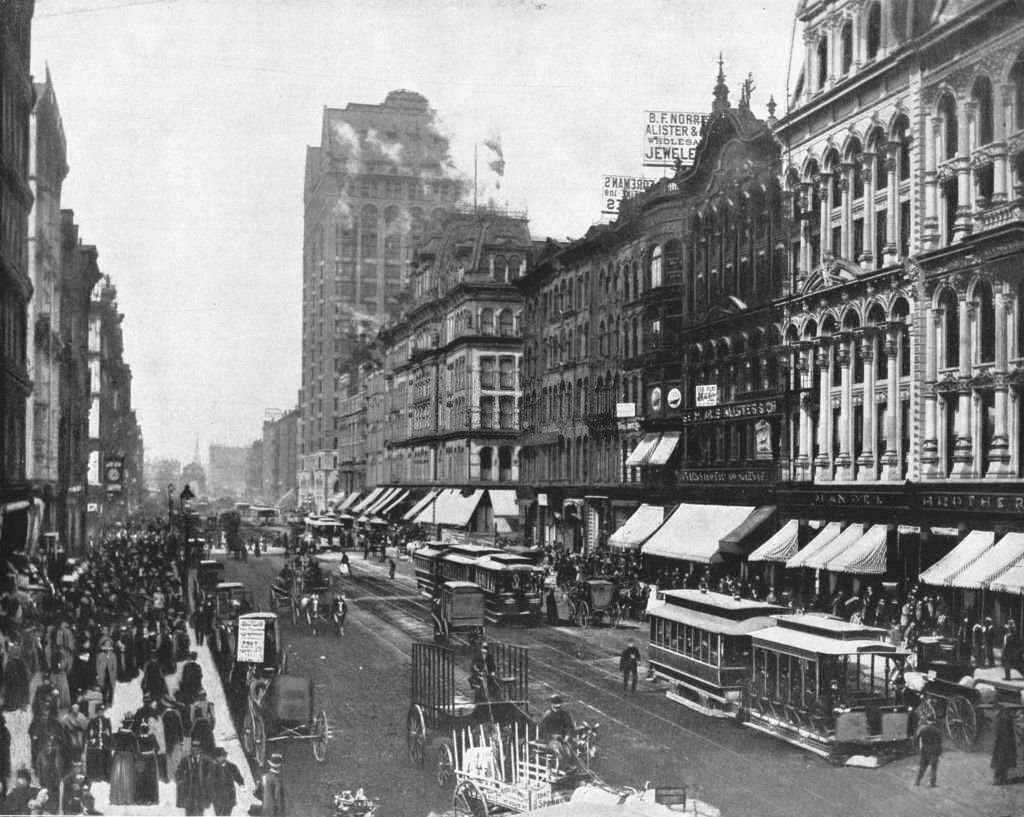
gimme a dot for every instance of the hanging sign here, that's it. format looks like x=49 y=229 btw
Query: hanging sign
x=251 y=632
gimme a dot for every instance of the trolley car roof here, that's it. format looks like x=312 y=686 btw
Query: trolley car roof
x=721 y=605
x=462 y=586
x=710 y=622
x=782 y=639
x=488 y=563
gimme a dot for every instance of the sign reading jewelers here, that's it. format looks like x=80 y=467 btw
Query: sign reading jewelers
x=617 y=188
x=671 y=137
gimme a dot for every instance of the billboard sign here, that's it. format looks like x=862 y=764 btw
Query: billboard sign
x=624 y=411
x=617 y=188
x=251 y=633
x=671 y=137
x=707 y=396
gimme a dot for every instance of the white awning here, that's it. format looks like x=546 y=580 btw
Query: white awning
x=503 y=502
x=1012 y=581
x=635 y=531
x=361 y=506
x=337 y=498
x=780 y=547
x=663 y=450
x=348 y=502
x=833 y=549
x=375 y=506
x=453 y=509
x=998 y=559
x=973 y=545
x=643 y=449
x=413 y=513
x=816 y=546
x=866 y=556
x=693 y=532
x=392 y=503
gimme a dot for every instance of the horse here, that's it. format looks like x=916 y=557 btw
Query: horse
x=324 y=606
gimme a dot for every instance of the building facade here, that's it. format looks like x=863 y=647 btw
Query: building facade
x=379 y=178
x=228 y=473
x=280 y=458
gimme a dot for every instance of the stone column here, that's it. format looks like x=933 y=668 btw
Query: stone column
x=963 y=450
x=964 y=192
x=823 y=462
x=930 y=445
x=844 y=465
x=999 y=175
x=810 y=63
x=803 y=459
x=930 y=227
x=892 y=203
x=866 y=461
x=846 y=211
x=999 y=450
x=891 y=460
x=867 y=171
x=825 y=194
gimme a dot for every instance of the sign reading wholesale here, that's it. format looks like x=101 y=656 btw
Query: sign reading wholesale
x=671 y=136
x=616 y=188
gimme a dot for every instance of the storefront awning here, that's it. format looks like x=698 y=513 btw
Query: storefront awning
x=454 y=509
x=866 y=556
x=816 y=546
x=337 y=498
x=394 y=502
x=733 y=542
x=995 y=561
x=348 y=502
x=363 y=504
x=693 y=532
x=413 y=513
x=663 y=450
x=782 y=545
x=384 y=497
x=635 y=531
x=973 y=545
x=1012 y=581
x=503 y=502
x=643 y=449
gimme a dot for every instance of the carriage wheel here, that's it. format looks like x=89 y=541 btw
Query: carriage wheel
x=260 y=740
x=415 y=734
x=323 y=735
x=468 y=800
x=445 y=764
x=584 y=614
x=961 y=722
x=295 y=613
x=248 y=734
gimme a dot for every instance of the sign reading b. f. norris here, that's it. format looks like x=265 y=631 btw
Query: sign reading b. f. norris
x=671 y=137
x=617 y=188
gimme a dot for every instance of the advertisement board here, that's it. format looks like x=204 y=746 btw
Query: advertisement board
x=707 y=396
x=623 y=411
x=671 y=137
x=616 y=188
x=113 y=473
x=250 y=639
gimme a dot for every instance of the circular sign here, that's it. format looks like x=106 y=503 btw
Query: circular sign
x=656 y=398
x=675 y=397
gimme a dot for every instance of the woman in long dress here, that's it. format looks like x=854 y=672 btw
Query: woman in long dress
x=123 y=778
x=147 y=788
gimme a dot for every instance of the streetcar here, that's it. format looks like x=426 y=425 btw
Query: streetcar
x=512 y=588
x=700 y=645
x=825 y=685
x=426 y=562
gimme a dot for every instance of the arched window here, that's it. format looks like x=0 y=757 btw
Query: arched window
x=486 y=462
x=656 y=266
x=847 y=44
x=853 y=157
x=950 y=328
x=487 y=321
x=505 y=323
x=1017 y=78
x=985 y=310
x=369 y=228
x=873 y=30
x=981 y=93
x=950 y=126
x=822 y=55
x=902 y=138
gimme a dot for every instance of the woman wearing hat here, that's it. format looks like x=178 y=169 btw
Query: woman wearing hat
x=122 y=766
x=147 y=790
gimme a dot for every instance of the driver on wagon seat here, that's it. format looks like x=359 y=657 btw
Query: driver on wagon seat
x=483 y=675
x=556 y=729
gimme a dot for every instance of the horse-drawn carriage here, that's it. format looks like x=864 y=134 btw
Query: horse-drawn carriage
x=593 y=600
x=458 y=607
x=309 y=596
x=209 y=574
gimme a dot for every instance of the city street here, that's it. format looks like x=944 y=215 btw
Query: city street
x=362 y=680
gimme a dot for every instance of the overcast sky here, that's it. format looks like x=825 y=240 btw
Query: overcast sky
x=187 y=122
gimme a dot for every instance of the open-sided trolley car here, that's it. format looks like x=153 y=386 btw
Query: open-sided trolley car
x=826 y=685
x=700 y=643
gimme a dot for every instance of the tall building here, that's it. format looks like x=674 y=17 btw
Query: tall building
x=15 y=286
x=280 y=451
x=161 y=473
x=228 y=472
x=379 y=178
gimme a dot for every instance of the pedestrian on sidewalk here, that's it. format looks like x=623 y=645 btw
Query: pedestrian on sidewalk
x=1004 y=750
x=552 y=606
x=192 y=782
x=629 y=660
x=1011 y=649
x=391 y=568
x=225 y=776
x=929 y=739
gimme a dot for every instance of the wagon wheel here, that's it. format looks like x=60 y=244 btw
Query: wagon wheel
x=468 y=800
x=259 y=740
x=445 y=763
x=584 y=615
x=961 y=722
x=415 y=734
x=323 y=735
x=248 y=733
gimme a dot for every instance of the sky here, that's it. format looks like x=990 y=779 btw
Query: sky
x=187 y=123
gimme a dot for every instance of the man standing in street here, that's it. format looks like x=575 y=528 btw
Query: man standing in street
x=929 y=739
x=629 y=660
x=271 y=788
x=225 y=776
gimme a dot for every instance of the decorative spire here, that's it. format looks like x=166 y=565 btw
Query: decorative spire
x=772 y=105
x=721 y=102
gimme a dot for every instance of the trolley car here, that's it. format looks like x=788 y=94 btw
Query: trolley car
x=512 y=588
x=700 y=643
x=426 y=562
x=824 y=684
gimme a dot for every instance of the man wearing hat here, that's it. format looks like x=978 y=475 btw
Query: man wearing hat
x=98 y=736
x=106 y=669
x=929 y=738
x=556 y=728
x=270 y=790
x=193 y=780
x=191 y=680
x=483 y=675
x=225 y=777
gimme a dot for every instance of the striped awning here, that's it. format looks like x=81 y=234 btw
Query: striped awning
x=393 y=503
x=363 y=504
x=998 y=559
x=973 y=545
x=643 y=450
x=417 y=509
x=1012 y=581
x=816 y=546
x=348 y=502
x=384 y=498
x=782 y=545
x=664 y=449
x=866 y=556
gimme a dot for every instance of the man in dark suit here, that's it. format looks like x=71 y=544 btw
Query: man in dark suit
x=225 y=777
x=271 y=788
x=629 y=660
